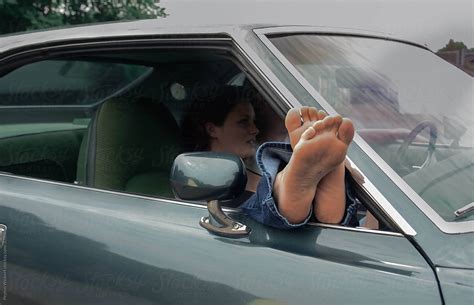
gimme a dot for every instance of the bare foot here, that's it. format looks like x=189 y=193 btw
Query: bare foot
x=329 y=201
x=321 y=148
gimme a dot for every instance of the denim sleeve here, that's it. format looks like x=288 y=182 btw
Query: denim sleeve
x=352 y=205
x=261 y=206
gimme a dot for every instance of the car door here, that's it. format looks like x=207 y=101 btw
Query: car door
x=72 y=244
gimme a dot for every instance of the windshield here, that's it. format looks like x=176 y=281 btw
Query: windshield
x=414 y=109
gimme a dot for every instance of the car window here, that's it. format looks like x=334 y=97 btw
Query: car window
x=421 y=123
x=46 y=108
x=108 y=120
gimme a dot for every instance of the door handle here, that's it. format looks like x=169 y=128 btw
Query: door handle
x=228 y=227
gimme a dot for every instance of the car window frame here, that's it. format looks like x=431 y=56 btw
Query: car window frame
x=263 y=33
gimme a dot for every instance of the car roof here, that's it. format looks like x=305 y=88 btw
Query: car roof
x=152 y=27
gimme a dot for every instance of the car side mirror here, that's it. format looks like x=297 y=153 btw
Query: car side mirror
x=213 y=177
x=208 y=176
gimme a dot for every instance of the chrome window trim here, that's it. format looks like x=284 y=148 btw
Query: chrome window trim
x=331 y=31
x=444 y=226
x=265 y=72
x=356 y=229
x=71 y=185
x=383 y=202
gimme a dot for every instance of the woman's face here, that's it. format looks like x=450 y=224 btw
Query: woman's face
x=237 y=134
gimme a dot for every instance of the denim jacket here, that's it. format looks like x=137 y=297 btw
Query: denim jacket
x=272 y=157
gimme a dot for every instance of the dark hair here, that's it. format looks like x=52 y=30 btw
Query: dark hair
x=213 y=110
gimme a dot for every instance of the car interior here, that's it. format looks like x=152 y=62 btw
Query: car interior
x=109 y=120
x=112 y=120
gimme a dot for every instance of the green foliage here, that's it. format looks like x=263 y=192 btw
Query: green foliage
x=23 y=15
x=453 y=46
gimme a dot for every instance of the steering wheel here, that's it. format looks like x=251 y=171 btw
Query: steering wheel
x=401 y=158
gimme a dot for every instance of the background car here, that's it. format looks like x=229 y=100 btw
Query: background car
x=90 y=127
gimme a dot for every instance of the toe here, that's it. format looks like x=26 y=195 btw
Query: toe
x=319 y=126
x=313 y=114
x=305 y=113
x=332 y=122
x=309 y=133
x=292 y=120
x=346 y=131
x=322 y=114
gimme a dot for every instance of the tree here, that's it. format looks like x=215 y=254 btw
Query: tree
x=23 y=15
x=453 y=46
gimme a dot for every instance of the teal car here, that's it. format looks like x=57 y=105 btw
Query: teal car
x=100 y=203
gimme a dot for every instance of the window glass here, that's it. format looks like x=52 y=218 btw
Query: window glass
x=103 y=121
x=415 y=110
x=65 y=82
x=46 y=108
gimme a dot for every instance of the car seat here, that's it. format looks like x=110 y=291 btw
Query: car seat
x=129 y=146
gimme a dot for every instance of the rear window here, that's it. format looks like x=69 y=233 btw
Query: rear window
x=66 y=82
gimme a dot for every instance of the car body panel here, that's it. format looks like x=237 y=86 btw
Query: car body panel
x=457 y=285
x=71 y=244
x=145 y=28
x=441 y=248
x=149 y=250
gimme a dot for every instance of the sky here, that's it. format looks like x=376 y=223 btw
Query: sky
x=428 y=22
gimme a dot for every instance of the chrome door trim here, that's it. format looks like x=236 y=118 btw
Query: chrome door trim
x=356 y=229
x=71 y=185
x=383 y=203
x=444 y=226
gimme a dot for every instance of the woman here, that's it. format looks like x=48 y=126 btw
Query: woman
x=225 y=123
x=302 y=178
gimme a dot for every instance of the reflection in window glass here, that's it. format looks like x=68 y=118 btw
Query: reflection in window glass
x=65 y=82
